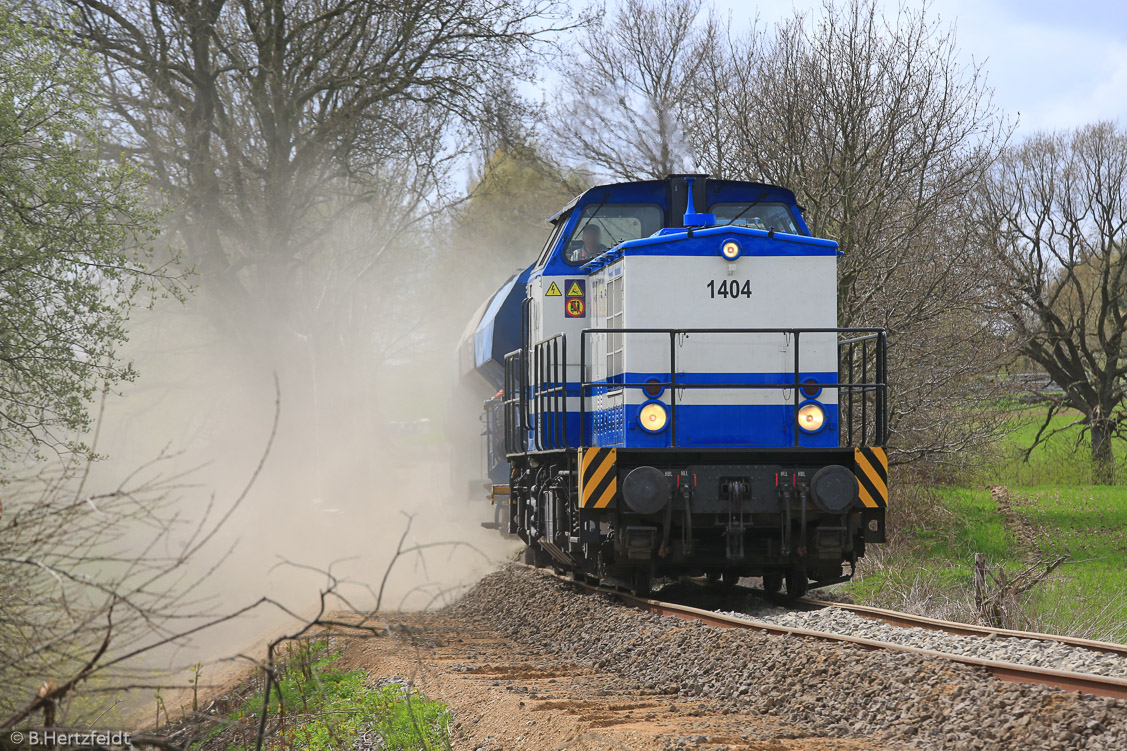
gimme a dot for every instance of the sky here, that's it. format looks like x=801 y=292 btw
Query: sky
x=1052 y=65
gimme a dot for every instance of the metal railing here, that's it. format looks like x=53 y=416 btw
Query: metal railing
x=877 y=393
x=549 y=393
x=513 y=402
x=860 y=432
x=540 y=408
x=493 y=435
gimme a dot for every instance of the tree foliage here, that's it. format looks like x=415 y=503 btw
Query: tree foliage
x=74 y=243
x=877 y=127
x=503 y=222
x=309 y=148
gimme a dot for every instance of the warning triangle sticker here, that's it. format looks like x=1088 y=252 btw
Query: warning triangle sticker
x=575 y=291
x=553 y=291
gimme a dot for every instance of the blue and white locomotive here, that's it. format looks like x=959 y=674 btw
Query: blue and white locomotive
x=673 y=396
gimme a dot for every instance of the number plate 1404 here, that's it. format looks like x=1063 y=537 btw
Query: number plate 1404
x=729 y=288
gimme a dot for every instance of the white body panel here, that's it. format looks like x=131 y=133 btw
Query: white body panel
x=672 y=292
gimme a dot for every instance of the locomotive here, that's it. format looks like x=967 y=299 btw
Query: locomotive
x=669 y=393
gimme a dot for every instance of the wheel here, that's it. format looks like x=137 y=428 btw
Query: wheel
x=772 y=582
x=731 y=579
x=797 y=583
x=712 y=577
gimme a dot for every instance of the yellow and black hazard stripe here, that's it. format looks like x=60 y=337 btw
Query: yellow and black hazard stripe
x=871 y=468
x=598 y=477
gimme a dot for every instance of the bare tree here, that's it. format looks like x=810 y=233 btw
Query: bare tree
x=1054 y=213
x=883 y=135
x=623 y=87
x=263 y=119
x=93 y=580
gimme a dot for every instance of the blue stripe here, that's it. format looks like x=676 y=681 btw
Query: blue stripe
x=637 y=381
x=698 y=426
x=709 y=380
x=707 y=242
x=709 y=426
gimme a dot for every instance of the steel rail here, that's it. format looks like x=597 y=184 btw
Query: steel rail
x=1006 y=671
x=908 y=620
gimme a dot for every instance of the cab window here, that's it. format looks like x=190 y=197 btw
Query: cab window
x=603 y=225
x=756 y=215
x=550 y=245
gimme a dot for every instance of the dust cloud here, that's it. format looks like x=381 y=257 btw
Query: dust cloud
x=364 y=438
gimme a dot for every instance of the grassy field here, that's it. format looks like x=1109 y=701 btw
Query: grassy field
x=1062 y=460
x=1019 y=514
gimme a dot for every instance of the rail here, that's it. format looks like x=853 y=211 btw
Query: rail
x=910 y=620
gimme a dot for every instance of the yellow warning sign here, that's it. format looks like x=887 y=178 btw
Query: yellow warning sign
x=575 y=291
x=553 y=291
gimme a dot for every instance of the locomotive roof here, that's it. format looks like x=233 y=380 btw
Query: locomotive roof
x=733 y=190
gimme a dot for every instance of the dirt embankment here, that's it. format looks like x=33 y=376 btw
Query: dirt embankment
x=529 y=663
x=512 y=696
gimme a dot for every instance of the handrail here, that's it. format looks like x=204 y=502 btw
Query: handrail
x=850 y=387
x=513 y=400
x=546 y=398
x=549 y=393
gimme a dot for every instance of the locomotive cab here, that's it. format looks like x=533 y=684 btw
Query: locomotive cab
x=682 y=401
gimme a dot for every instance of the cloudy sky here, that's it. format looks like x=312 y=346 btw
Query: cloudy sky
x=1054 y=64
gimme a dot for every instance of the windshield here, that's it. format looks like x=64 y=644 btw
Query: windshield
x=764 y=216
x=602 y=226
x=550 y=245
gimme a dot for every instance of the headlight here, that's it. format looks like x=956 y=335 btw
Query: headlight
x=730 y=250
x=811 y=417
x=653 y=417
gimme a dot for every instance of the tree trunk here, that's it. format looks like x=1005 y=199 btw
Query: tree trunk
x=1103 y=461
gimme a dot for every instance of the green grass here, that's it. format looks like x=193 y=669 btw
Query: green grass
x=1058 y=513
x=318 y=707
x=1088 y=525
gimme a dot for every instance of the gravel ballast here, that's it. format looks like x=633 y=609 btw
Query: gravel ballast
x=826 y=689
x=1033 y=652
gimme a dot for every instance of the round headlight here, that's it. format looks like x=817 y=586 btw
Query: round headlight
x=653 y=417
x=730 y=250
x=811 y=417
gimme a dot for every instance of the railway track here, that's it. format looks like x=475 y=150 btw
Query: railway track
x=1007 y=671
x=909 y=620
